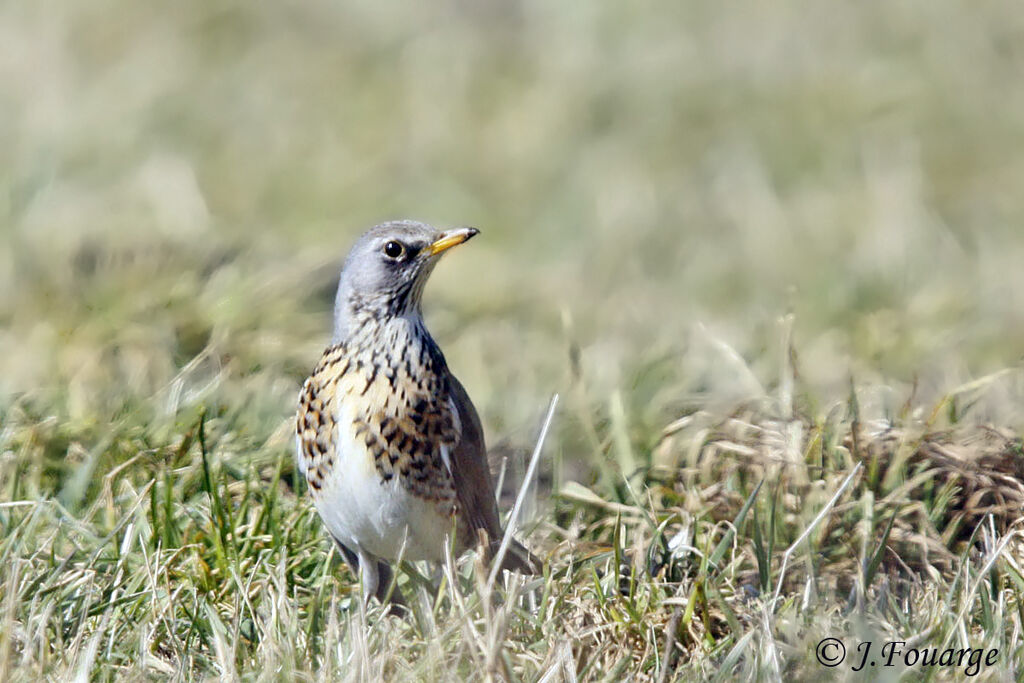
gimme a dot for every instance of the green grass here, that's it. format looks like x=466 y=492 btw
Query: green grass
x=769 y=259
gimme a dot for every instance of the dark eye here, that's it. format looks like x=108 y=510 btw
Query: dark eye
x=394 y=249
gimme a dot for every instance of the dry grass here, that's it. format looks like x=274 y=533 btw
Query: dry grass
x=769 y=259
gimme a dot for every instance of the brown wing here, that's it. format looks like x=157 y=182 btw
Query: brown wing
x=473 y=483
x=474 y=486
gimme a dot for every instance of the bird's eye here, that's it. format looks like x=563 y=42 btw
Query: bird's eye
x=394 y=249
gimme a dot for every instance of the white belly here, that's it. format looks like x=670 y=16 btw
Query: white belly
x=365 y=512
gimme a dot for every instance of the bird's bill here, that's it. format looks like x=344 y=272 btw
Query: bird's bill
x=449 y=239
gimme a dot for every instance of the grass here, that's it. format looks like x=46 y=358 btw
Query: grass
x=768 y=259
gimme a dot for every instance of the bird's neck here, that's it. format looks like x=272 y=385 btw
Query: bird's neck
x=391 y=339
x=355 y=313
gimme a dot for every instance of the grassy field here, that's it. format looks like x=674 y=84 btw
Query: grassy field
x=770 y=259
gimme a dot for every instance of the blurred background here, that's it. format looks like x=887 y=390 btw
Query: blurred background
x=658 y=185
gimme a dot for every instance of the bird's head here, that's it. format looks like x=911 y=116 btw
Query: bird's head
x=386 y=270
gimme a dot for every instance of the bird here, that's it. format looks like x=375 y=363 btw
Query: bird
x=388 y=440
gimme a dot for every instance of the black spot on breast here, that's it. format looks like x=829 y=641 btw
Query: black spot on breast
x=371 y=379
x=388 y=429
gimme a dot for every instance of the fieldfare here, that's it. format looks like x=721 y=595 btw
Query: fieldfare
x=388 y=439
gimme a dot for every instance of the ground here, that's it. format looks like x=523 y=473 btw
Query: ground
x=768 y=258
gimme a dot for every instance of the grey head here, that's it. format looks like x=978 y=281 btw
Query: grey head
x=385 y=272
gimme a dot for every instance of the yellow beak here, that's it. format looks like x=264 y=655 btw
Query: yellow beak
x=449 y=239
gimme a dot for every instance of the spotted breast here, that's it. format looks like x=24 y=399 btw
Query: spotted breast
x=376 y=433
